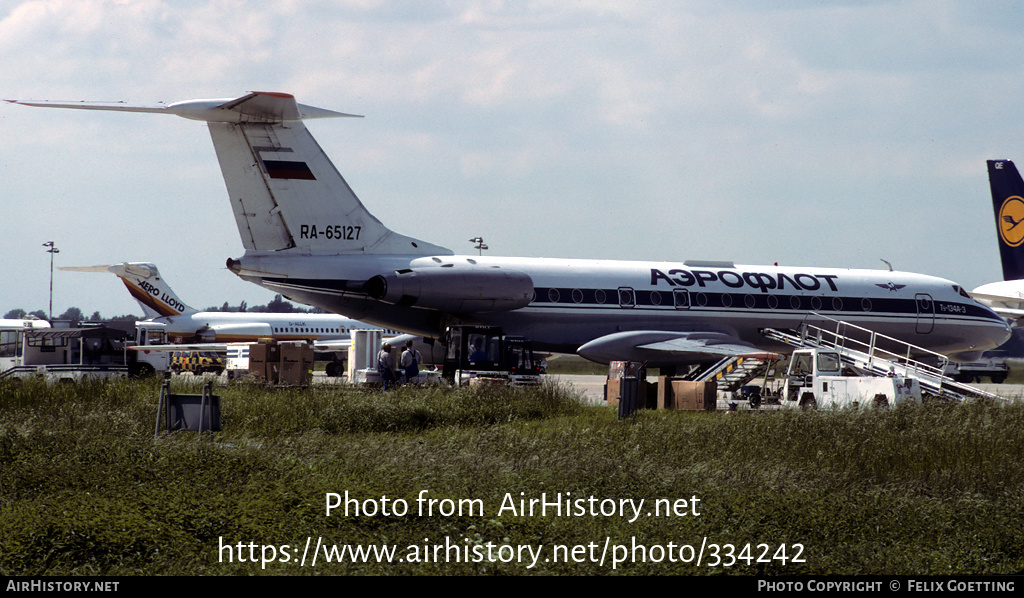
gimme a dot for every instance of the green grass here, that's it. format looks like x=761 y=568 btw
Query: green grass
x=85 y=489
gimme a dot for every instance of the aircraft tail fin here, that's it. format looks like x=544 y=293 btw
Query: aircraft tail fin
x=285 y=192
x=1008 y=203
x=145 y=284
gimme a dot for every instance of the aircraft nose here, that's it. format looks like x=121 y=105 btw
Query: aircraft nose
x=999 y=332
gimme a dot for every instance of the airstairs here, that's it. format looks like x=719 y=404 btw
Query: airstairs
x=870 y=359
x=732 y=374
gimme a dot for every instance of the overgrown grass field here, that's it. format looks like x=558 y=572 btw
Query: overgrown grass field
x=85 y=489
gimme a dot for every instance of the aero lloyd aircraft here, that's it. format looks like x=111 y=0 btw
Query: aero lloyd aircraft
x=1007 y=296
x=307 y=236
x=186 y=324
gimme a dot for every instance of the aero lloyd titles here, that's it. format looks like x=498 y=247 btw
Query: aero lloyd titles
x=762 y=281
x=170 y=301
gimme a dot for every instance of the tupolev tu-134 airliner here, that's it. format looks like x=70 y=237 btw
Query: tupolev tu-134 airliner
x=307 y=236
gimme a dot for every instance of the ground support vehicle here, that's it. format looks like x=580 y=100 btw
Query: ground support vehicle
x=483 y=355
x=64 y=354
x=196 y=362
x=815 y=379
x=995 y=368
x=143 y=361
x=863 y=370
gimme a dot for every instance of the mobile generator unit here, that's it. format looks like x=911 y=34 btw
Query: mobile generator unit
x=483 y=355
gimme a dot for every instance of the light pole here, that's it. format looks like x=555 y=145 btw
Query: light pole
x=52 y=250
x=479 y=244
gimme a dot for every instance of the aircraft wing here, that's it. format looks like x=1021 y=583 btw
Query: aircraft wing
x=662 y=348
x=218 y=347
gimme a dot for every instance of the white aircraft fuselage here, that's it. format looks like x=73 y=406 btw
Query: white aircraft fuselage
x=572 y=301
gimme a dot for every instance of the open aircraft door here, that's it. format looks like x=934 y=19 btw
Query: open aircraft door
x=627 y=297
x=925 y=313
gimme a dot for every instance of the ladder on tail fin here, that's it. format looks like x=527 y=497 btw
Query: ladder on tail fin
x=869 y=359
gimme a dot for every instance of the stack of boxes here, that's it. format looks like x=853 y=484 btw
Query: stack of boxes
x=288 y=364
x=668 y=393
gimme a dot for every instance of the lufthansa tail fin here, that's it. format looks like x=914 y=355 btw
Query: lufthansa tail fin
x=284 y=191
x=145 y=284
x=1008 y=203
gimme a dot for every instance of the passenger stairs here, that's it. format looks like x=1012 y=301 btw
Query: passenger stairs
x=733 y=374
x=868 y=358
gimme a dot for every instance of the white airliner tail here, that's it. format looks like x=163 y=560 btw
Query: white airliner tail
x=285 y=193
x=145 y=284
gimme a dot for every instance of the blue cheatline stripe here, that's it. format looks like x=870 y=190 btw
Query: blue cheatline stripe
x=561 y=298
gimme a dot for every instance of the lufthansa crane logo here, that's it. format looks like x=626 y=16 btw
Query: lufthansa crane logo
x=1011 y=217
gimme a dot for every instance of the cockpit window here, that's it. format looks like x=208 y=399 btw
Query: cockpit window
x=960 y=291
x=828 y=362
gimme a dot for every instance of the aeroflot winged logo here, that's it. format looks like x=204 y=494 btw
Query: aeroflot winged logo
x=892 y=287
x=1011 y=214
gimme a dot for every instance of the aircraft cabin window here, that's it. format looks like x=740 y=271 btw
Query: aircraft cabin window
x=553 y=295
x=726 y=300
x=600 y=296
x=749 y=301
x=577 y=296
x=794 y=302
x=626 y=297
x=837 y=304
x=816 y=303
x=701 y=299
x=655 y=298
x=865 y=304
x=773 y=301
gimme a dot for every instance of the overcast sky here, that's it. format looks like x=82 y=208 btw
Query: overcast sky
x=804 y=133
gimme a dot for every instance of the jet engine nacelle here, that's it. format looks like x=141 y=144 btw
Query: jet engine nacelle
x=451 y=289
x=229 y=332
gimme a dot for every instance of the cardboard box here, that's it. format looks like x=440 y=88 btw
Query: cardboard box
x=296 y=373
x=684 y=394
x=646 y=394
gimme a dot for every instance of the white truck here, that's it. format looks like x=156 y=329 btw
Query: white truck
x=147 y=362
x=815 y=379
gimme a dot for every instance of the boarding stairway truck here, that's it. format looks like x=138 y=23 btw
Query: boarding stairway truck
x=484 y=354
x=859 y=363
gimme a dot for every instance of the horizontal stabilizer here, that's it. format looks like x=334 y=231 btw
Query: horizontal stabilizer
x=258 y=106
x=119 y=269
